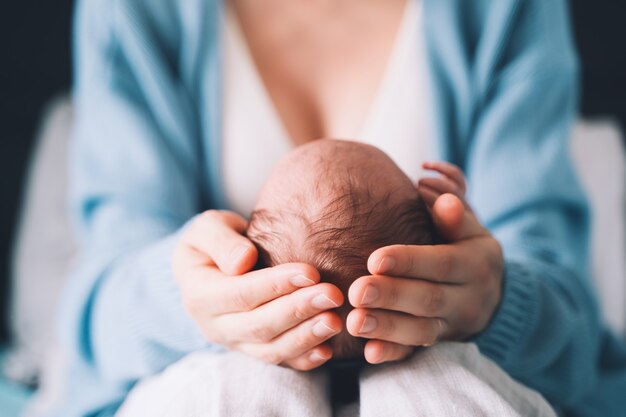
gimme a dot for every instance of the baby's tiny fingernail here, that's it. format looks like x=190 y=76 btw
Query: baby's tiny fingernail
x=386 y=264
x=369 y=295
x=321 y=329
x=322 y=302
x=369 y=325
x=301 y=281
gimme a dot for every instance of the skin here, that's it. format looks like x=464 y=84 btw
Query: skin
x=419 y=295
x=358 y=159
x=321 y=63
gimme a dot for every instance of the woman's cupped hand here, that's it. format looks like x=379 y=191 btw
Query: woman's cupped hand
x=419 y=295
x=280 y=315
x=415 y=295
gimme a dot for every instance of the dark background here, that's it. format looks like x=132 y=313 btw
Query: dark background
x=35 y=67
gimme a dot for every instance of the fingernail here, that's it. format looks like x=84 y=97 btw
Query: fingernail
x=386 y=264
x=369 y=325
x=316 y=357
x=322 y=302
x=321 y=329
x=369 y=295
x=301 y=281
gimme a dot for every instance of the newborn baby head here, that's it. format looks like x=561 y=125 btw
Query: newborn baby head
x=330 y=204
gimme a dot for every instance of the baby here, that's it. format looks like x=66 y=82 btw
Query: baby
x=330 y=204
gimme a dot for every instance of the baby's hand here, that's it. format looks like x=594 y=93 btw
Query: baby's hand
x=451 y=180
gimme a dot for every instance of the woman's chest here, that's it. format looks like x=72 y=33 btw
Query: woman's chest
x=321 y=63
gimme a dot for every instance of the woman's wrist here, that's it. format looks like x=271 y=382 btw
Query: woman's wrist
x=516 y=311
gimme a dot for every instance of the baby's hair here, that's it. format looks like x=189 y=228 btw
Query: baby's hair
x=341 y=239
x=338 y=238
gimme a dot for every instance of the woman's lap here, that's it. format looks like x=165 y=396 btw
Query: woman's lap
x=447 y=379
x=227 y=384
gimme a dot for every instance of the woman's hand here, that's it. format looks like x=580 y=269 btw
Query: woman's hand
x=449 y=181
x=276 y=314
x=418 y=295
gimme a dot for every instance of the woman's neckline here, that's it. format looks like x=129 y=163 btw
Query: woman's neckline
x=402 y=40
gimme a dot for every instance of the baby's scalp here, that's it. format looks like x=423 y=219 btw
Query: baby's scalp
x=330 y=204
x=325 y=167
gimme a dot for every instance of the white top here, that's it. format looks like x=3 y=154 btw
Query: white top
x=254 y=138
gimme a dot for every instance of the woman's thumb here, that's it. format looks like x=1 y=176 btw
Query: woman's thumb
x=453 y=220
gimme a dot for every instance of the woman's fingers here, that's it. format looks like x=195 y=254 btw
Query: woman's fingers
x=310 y=360
x=276 y=314
x=439 y=263
x=399 y=328
x=218 y=235
x=451 y=181
x=428 y=195
x=410 y=296
x=449 y=170
x=256 y=288
x=295 y=342
x=454 y=220
x=263 y=324
x=379 y=351
x=221 y=294
x=441 y=185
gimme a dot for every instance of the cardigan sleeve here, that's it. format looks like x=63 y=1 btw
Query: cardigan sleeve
x=547 y=330
x=134 y=184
